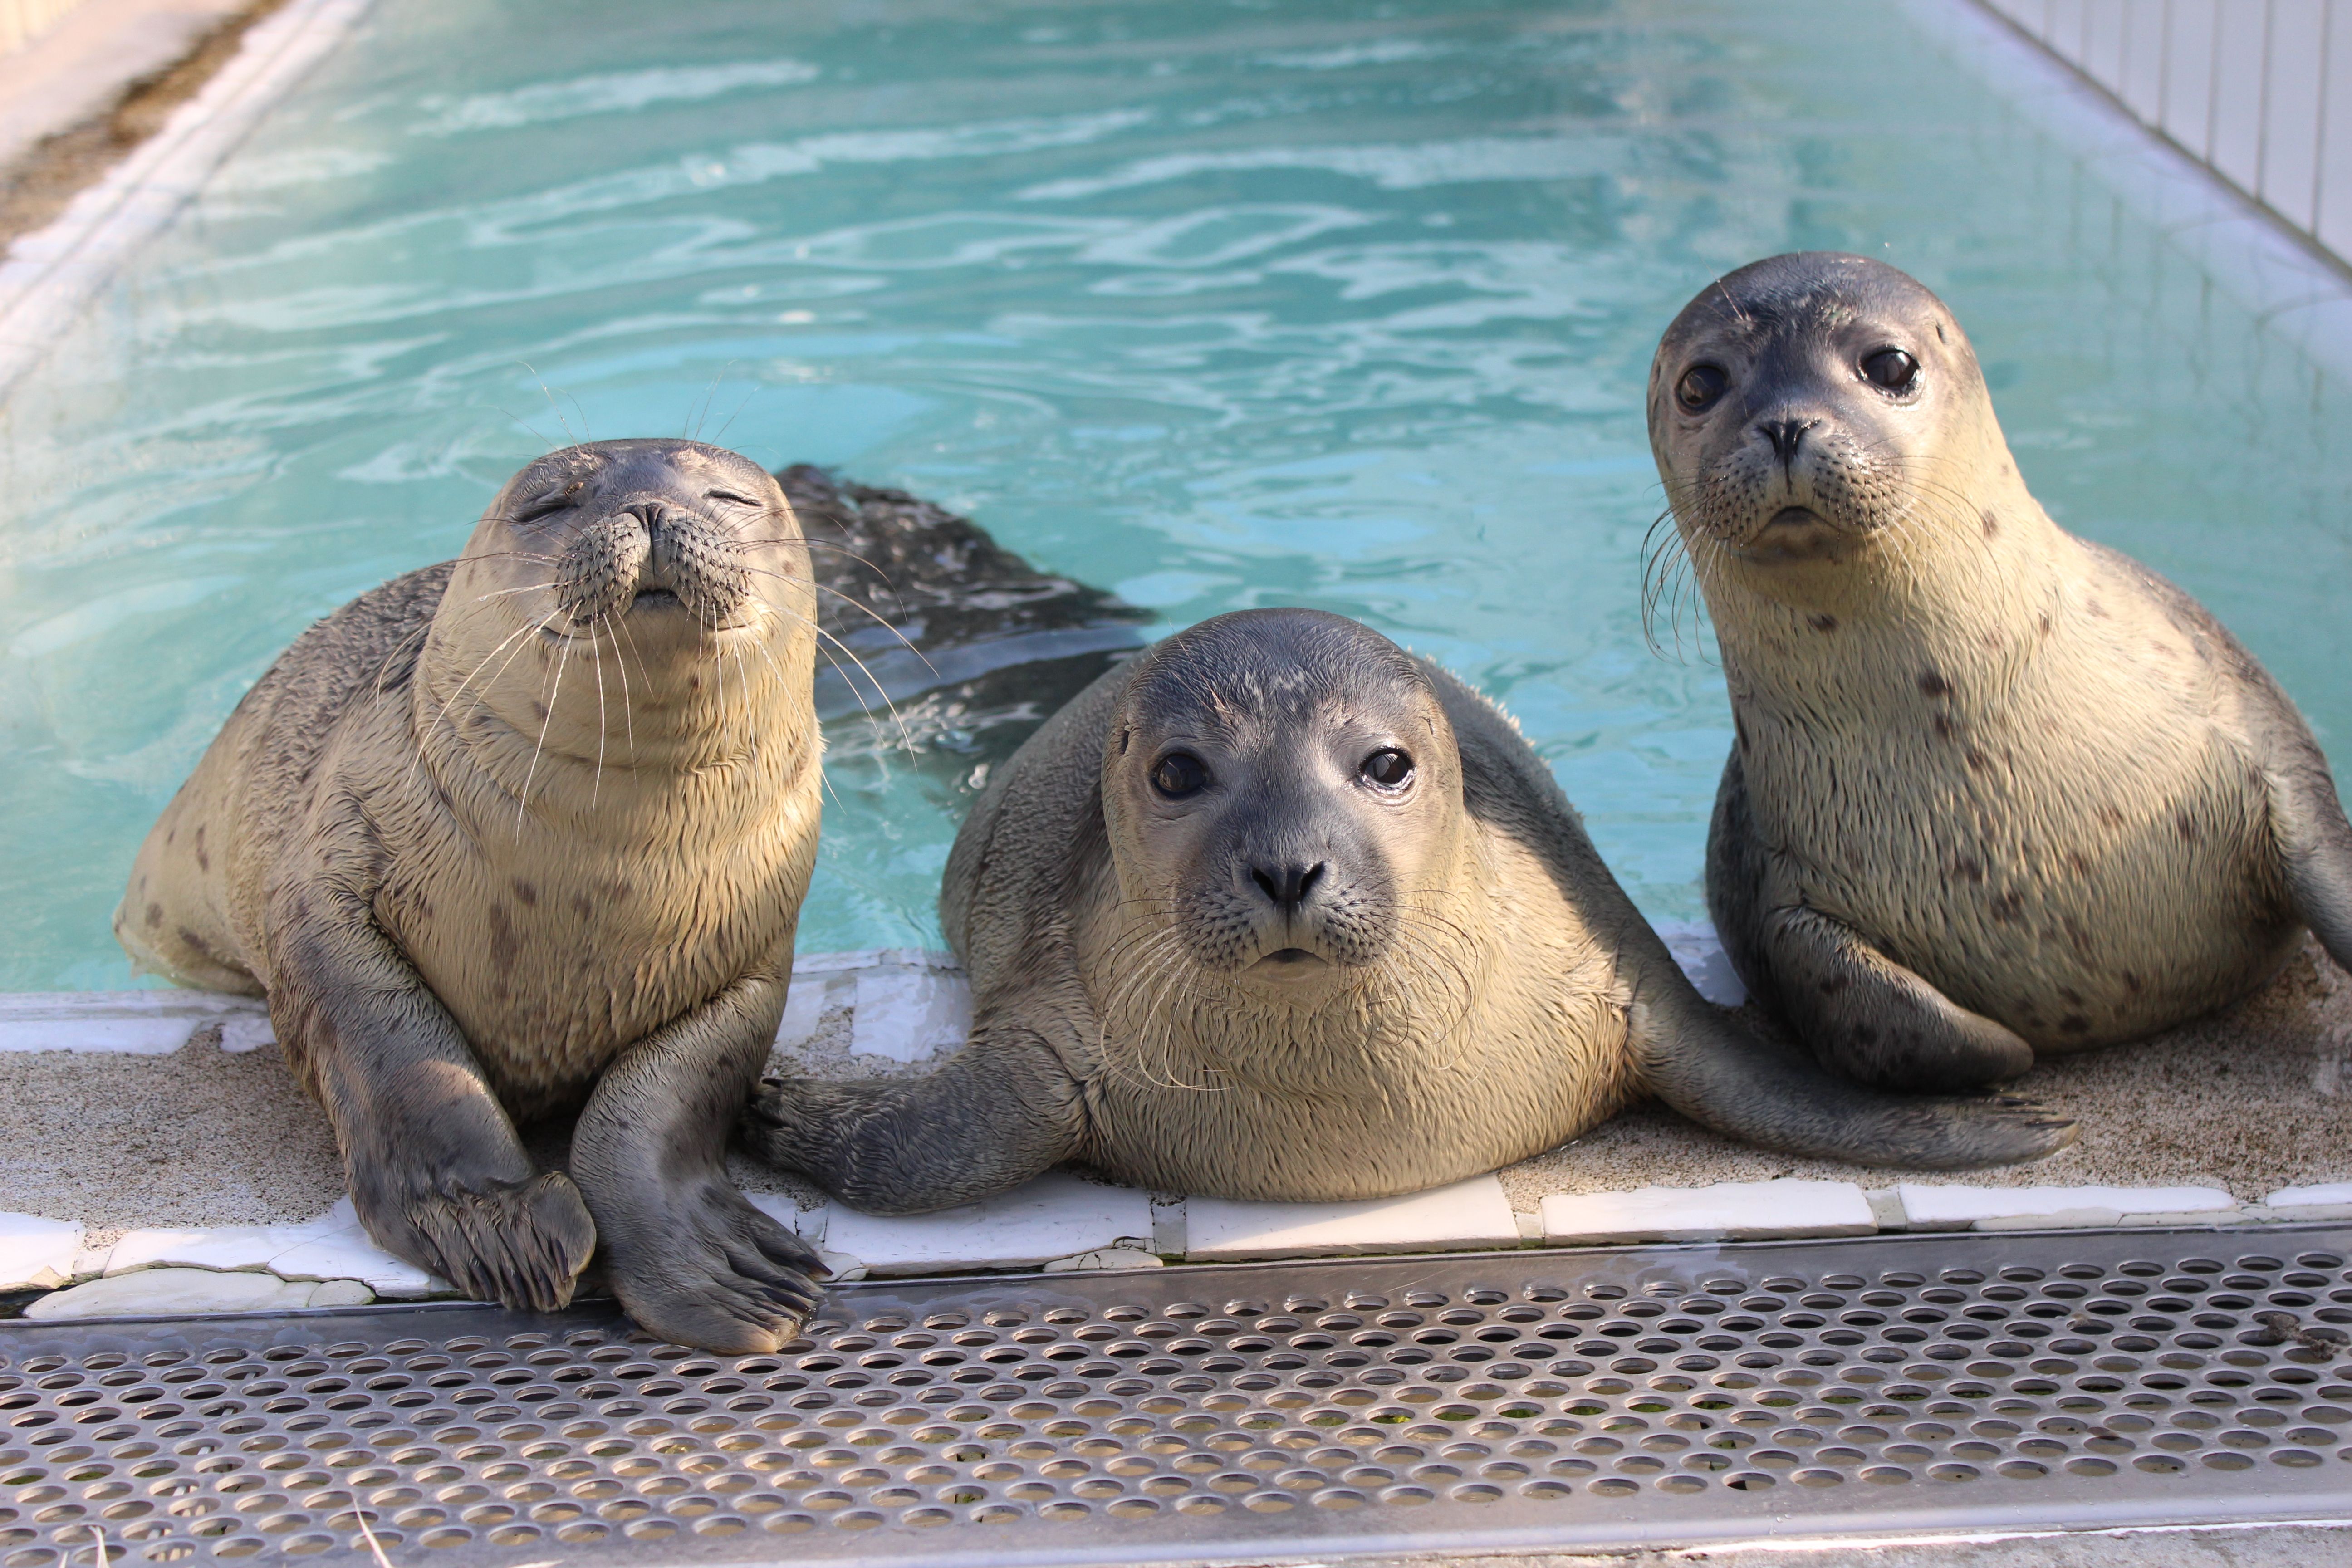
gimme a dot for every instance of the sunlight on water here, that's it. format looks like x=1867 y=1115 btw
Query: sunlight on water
x=1341 y=305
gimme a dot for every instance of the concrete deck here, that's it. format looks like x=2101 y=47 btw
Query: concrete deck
x=2247 y=1103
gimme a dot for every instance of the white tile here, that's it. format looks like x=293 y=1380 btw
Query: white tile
x=1698 y=953
x=909 y=1014
x=1472 y=1214
x=809 y=1224
x=874 y=958
x=1726 y=1211
x=340 y=1293
x=1936 y=1206
x=137 y=1023
x=1107 y=1258
x=158 y=1291
x=2330 y=1200
x=1167 y=1230
x=331 y=1246
x=1886 y=1208
x=243 y=1032
x=338 y=1248
x=228 y=1247
x=807 y=1001
x=36 y=1253
x=1056 y=1215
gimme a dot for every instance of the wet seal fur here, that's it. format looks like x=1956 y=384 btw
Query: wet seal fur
x=476 y=889
x=1997 y=790
x=1278 y=911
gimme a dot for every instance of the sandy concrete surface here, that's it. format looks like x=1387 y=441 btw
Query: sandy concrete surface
x=96 y=85
x=2250 y=1100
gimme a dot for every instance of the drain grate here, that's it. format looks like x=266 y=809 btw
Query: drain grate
x=1524 y=1399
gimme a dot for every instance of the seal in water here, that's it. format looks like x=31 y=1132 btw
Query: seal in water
x=525 y=832
x=943 y=636
x=1996 y=790
x=1278 y=911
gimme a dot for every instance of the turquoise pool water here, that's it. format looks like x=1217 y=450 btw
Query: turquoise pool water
x=1345 y=304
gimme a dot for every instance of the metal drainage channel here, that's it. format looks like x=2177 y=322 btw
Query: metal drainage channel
x=1513 y=1400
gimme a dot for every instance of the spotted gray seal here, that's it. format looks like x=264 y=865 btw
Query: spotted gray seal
x=1995 y=791
x=525 y=832
x=1278 y=911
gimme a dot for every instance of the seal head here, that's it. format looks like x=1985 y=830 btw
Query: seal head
x=1812 y=407
x=1280 y=814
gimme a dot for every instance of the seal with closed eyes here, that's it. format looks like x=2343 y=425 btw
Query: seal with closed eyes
x=1996 y=790
x=1278 y=911
x=522 y=833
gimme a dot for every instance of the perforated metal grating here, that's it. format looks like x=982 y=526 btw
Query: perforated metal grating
x=1516 y=1399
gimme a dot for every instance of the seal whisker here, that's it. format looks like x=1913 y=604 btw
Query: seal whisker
x=555 y=684
x=440 y=718
x=603 y=725
x=854 y=605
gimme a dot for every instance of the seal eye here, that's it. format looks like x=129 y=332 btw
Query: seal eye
x=542 y=507
x=730 y=498
x=1180 y=773
x=1700 y=386
x=1387 y=768
x=1892 y=369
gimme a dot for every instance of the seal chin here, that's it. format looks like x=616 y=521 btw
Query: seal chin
x=1794 y=533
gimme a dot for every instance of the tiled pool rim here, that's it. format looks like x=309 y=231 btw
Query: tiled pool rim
x=905 y=1005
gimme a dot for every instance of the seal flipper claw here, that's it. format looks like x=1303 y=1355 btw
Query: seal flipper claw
x=727 y=1278
x=521 y=1244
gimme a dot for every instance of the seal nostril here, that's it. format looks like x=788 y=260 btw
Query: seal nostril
x=1287 y=886
x=1786 y=435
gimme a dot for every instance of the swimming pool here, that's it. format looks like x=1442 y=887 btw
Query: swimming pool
x=1218 y=305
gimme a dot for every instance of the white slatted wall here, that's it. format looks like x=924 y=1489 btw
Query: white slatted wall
x=2258 y=90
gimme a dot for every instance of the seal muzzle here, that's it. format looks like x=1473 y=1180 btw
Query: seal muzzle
x=648 y=546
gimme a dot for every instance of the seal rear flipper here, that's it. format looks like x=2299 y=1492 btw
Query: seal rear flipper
x=1002 y=1110
x=1699 y=1061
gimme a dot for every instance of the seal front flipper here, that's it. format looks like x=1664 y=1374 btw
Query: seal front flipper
x=1002 y=1110
x=1874 y=1019
x=690 y=1257
x=436 y=1172
x=1700 y=1062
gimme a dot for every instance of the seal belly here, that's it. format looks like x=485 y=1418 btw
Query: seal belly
x=555 y=953
x=2136 y=890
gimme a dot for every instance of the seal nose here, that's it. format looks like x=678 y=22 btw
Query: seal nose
x=1785 y=435
x=1287 y=886
x=665 y=563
